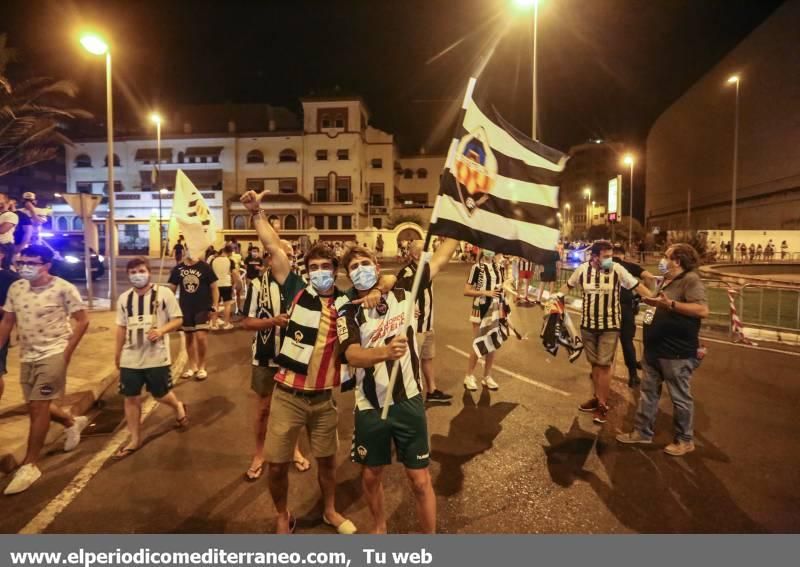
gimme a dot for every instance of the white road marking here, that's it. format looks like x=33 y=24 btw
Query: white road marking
x=49 y=513
x=750 y=347
x=516 y=375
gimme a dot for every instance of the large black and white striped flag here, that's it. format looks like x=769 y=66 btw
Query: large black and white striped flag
x=499 y=188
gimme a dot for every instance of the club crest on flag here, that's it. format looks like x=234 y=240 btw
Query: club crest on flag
x=475 y=169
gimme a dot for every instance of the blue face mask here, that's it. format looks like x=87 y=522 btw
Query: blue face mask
x=662 y=266
x=322 y=280
x=364 y=277
x=607 y=263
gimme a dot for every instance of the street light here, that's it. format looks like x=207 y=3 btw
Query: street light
x=95 y=45
x=526 y=5
x=155 y=118
x=628 y=160
x=734 y=79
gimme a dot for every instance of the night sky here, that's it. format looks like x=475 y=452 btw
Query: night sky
x=607 y=68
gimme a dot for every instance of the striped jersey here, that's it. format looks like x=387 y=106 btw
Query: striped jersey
x=601 y=291
x=140 y=313
x=405 y=280
x=374 y=328
x=525 y=265
x=485 y=276
x=264 y=301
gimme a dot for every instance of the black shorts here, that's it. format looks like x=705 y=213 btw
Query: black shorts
x=549 y=273
x=157 y=380
x=226 y=293
x=195 y=321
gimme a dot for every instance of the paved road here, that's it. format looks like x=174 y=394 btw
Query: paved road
x=520 y=460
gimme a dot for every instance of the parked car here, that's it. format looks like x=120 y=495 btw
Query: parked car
x=69 y=260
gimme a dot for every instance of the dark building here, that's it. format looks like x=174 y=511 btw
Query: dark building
x=690 y=146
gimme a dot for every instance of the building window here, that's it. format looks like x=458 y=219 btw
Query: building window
x=322 y=155
x=332 y=118
x=255 y=156
x=377 y=163
x=290 y=222
x=77 y=223
x=339 y=121
x=422 y=173
x=256 y=185
x=319 y=222
x=180 y=157
x=333 y=222
x=116 y=161
x=343 y=194
x=347 y=222
x=83 y=161
x=192 y=159
x=377 y=223
x=62 y=223
x=84 y=187
x=326 y=122
x=321 y=189
x=287 y=186
x=408 y=173
x=342 y=154
x=203 y=159
x=376 y=194
x=287 y=155
x=239 y=222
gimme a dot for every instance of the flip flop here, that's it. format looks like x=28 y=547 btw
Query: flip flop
x=302 y=465
x=183 y=421
x=188 y=374
x=253 y=474
x=201 y=375
x=123 y=452
x=345 y=528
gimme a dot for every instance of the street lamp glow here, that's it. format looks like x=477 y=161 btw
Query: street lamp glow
x=587 y=192
x=525 y=4
x=163 y=191
x=733 y=79
x=628 y=159
x=567 y=206
x=57 y=195
x=155 y=118
x=94 y=44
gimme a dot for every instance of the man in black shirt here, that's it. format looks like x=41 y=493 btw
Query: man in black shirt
x=254 y=264
x=671 y=349
x=198 y=296
x=629 y=302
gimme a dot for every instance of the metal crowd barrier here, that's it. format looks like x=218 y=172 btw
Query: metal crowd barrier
x=771 y=307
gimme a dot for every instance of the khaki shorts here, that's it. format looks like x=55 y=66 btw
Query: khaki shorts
x=426 y=342
x=600 y=346
x=44 y=379
x=290 y=414
x=262 y=380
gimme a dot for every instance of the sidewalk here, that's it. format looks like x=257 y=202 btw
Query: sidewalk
x=90 y=373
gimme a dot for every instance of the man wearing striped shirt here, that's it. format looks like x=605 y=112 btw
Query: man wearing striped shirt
x=425 y=337
x=601 y=279
x=371 y=340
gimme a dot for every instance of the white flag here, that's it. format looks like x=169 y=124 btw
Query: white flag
x=191 y=217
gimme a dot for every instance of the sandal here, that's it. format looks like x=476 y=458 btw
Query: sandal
x=345 y=528
x=123 y=452
x=188 y=374
x=201 y=375
x=254 y=473
x=183 y=421
x=302 y=465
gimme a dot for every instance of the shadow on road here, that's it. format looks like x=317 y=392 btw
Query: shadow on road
x=471 y=433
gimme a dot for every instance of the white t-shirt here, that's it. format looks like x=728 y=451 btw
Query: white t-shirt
x=43 y=316
x=8 y=216
x=223 y=266
x=135 y=313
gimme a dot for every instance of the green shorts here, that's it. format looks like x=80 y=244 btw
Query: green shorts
x=158 y=381
x=406 y=426
x=262 y=380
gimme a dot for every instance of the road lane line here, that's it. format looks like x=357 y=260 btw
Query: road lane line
x=516 y=375
x=49 y=513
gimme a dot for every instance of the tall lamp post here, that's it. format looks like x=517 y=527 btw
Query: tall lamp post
x=735 y=80
x=95 y=45
x=568 y=218
x=628 y=160
x=526 y=5
x=155 y=118
x=587 y=194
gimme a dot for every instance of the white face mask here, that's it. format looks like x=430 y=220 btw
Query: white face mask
x=139 y=280
x=663 y=266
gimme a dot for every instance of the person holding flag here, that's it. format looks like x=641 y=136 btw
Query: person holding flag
x=372 y=340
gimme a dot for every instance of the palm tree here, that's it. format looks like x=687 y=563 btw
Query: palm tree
x=32 y=114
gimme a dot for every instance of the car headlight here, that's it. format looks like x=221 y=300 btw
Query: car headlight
x=72 y=259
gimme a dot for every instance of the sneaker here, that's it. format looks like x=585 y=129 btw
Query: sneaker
x=226 y=327
x=600 y=414
x=632 y=438
x=25 y=476
x=679 y=448
x=489 y=382
x=589 y=406
x=438 y=396
x=470 y=383
x=201 y=375
x=74 y=433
